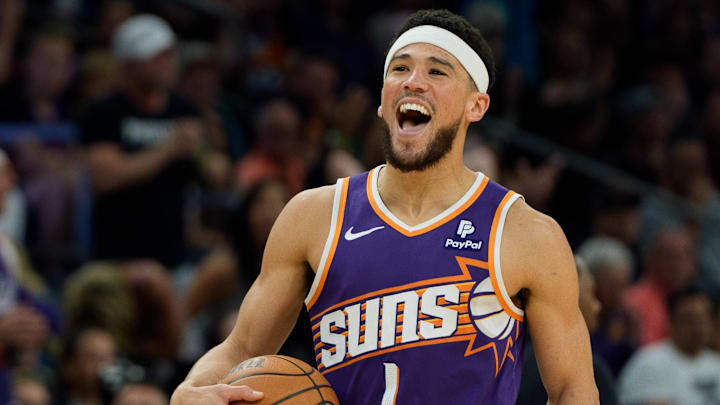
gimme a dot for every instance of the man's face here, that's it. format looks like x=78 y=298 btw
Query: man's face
x=159 y=72
x=49 y=66
x=426 y=98
x=691 y=323
x=96 y=349
x=673 y=259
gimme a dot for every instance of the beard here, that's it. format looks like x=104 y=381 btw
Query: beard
x=436 y=149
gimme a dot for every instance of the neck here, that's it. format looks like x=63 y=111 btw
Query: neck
x=417 y=196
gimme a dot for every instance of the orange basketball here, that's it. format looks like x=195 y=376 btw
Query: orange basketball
x=284 y=380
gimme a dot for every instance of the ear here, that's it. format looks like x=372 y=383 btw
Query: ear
x=477 y=106
x=379 y=112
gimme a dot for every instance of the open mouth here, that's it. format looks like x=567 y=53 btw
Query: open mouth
x=412 y=118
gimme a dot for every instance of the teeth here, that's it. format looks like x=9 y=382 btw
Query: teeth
x=415 y=107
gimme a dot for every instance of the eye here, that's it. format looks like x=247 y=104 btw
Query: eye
x=400 y=68
x=437 y=72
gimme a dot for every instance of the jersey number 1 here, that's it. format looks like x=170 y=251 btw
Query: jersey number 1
x=392 y=379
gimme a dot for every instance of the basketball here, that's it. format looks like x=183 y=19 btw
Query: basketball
x=284 y=380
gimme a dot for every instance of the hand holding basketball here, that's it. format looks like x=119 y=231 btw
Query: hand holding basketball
x=283 y=380
x=219 y=394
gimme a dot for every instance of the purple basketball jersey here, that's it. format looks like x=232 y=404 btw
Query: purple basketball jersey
x=416 y=314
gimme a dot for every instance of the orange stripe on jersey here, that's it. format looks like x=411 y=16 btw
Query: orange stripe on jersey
x=435 y=224
x=491 y=259
x=429 y=282
x=397 y=383
x=455 y=338
x=331 y=253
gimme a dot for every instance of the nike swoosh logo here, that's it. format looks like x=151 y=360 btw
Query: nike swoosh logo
x=349 y=235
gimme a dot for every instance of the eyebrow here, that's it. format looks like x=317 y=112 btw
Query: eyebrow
x=400 y=56
x=434 y=59
x=442 y=62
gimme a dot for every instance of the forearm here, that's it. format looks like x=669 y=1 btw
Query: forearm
x=212 y=366
x=110 y=173
x=576 y=395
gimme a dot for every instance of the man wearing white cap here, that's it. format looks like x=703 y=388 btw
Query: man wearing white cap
x=140 y=143
x=427 y=275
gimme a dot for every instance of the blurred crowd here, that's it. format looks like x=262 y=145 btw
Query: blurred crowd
x=148 y=146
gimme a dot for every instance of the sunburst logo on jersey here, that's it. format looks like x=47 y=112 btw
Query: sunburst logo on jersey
x=466 y=307
x=487 y=314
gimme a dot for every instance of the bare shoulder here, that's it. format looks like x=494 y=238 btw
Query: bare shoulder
x=304 y=223
x=534 y=248
x=310 y=206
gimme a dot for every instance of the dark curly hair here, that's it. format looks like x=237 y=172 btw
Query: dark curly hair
x=459 y=26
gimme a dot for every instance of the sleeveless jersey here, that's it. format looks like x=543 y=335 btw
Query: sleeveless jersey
x=416 y=314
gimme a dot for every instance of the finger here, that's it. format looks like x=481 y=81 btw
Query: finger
x=242 y=393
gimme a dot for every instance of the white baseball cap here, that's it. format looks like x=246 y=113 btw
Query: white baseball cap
x=141 y=37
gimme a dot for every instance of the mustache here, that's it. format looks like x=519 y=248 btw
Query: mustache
x=415 y=95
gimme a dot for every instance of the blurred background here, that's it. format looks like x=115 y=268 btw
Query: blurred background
x=148 y=146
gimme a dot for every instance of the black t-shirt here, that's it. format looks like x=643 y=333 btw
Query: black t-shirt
x=144 y=220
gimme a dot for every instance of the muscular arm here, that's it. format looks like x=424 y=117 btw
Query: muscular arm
x=114 y=169
x=270 y=309
x=537 y=255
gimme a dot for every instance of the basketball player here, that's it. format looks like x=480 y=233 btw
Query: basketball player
x=426 y=274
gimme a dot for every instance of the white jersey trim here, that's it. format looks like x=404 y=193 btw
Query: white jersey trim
x=439 y=217
x=496 y=255
x=320 y=271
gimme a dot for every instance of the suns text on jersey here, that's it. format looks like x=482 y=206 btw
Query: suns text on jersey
x=389 y=320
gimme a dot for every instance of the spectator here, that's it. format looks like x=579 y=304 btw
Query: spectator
x=481 y=157
x=25 y=320
x=532 y=390
x=85 y=354
x=48 y=70
x=668 y=266
x=535 y=182
x=141 y=394
x=275 y=150
x=680 y=370
x=617 y=215
x=646 y=125
x=254 y=220
x=215 y=287
x=710 y=125
x=687 y=175
x=31 y=391
x=96 y=296
x=333 y=164
x=99 y=78
x=140 y=146
x=200 y=82
x=13 y=219
x=135 y=301
x=612 y=265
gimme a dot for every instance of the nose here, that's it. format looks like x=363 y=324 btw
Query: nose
x=416 y=82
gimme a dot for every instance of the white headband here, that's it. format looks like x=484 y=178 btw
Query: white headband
x=448 y=41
